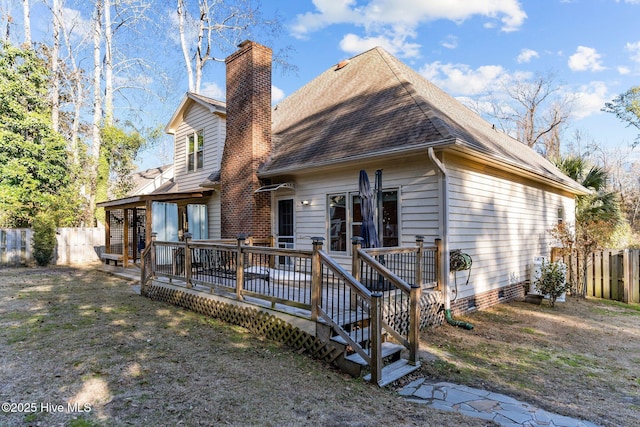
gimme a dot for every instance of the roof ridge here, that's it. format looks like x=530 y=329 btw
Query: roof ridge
x=393 y=64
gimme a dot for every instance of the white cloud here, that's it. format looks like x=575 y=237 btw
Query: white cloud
x=398 y=46
x=75 y=25
x=450 y=42
x=212 y=90
x=276 y=94
x=585 y=59
x=526 y=55
x=399 y=19
x=328 y=12
x=634 y=48
x=589 y=99
x=622 y=70
x=460 y=79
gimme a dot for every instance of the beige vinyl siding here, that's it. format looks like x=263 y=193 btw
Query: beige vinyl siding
x=198 y=118
x=502 y=222
x=213 y=215
x=415 y=180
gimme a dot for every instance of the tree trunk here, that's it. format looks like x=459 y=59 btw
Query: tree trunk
x=55 y=54
x=108 y=65
x=97 y=104
x=183 y=43
x=27 y=23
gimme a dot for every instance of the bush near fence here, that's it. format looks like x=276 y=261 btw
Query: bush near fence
x=77 y=245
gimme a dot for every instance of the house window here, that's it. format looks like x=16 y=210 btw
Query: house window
x=345 y=219
x=560 y=215
x=338 y=223
x=195 y=151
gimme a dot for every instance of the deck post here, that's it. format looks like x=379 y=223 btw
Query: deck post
x=376 y=337
x=414 y=323
x=439 y=265
x=316 y=277
x=419 y=259
x=356 y=271
x=187 y=259
x=154 y=236
x=148 y=264
x=356 y=244
x=240 y=267
x=125 y=239
x=107 y=231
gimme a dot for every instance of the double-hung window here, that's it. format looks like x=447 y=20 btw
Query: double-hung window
x=345 y=219
x=195 y=151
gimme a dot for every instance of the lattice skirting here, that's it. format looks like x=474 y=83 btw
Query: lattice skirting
x=396 y=313
x=431 y=309
x=257 y=322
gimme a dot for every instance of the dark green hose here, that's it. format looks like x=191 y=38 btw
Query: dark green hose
x=459 y=323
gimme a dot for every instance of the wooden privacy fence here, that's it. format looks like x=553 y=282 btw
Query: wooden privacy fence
x=74 y=246
x=15 y=246
x=611 y=274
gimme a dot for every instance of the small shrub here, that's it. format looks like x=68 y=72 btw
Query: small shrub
x=552 y=280
x=44 y=238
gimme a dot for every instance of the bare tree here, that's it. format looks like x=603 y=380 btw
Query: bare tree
x=27 y=23
x=127 y=16
x=623 y=167
x=183 y=43
x=74 y=77
x=55 y=58
x=217 y=28
x=536 y=113
x=626 y=107
x=97 y=102
x=108 y=64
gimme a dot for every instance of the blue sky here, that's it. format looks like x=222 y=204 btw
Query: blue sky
x=469 y=48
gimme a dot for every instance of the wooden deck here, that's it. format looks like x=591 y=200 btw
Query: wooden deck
x=343 y=322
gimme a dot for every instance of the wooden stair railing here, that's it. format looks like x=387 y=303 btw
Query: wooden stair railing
x=357 y=321
x=148 y=263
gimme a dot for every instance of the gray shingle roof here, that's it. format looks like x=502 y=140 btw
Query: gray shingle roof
x=377 y=104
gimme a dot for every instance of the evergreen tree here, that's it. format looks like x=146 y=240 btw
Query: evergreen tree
x=33 y=157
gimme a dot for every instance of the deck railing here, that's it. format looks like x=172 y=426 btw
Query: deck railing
x=395 y=274
x=415 y=265
x=377 y=296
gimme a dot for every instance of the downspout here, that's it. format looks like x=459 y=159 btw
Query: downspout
x=444 y=224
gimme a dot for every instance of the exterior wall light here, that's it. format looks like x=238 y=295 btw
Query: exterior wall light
x=305 y=203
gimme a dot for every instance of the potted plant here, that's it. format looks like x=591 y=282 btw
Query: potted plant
x=552 y=282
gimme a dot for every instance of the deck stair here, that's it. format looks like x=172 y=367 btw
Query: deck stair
x=351 y=362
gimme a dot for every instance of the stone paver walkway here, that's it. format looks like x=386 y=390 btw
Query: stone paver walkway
x=501 y=409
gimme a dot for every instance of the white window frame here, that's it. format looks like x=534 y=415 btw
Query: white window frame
x=198 y=161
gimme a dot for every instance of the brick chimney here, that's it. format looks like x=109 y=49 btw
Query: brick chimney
x=248 y=142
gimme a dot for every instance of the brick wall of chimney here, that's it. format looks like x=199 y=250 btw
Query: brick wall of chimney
x=248 y=142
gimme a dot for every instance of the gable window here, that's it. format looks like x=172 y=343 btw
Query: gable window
x=195 y=151
x=345 y=219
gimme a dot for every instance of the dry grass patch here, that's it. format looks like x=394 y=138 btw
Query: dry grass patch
x=81 y=337
x=578 y=359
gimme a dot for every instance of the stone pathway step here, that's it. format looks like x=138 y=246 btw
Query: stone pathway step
x=395 y=371
x=503 y=410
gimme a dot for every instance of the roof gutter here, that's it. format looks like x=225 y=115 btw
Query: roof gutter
x=399 y=151
x=444 y=227
x=488 y=159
